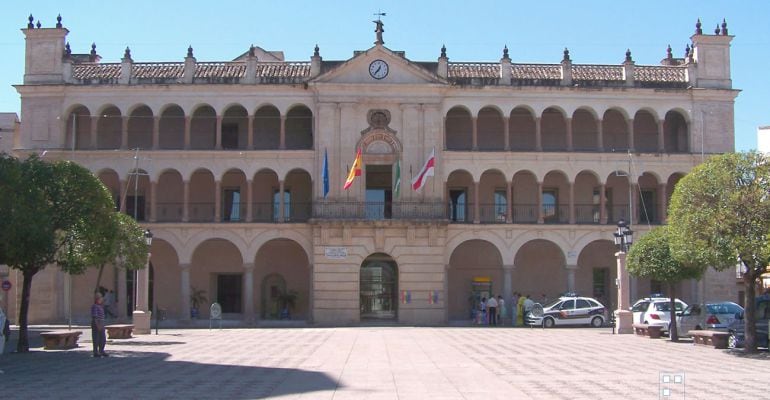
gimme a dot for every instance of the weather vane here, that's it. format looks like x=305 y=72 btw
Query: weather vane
x=379 y=29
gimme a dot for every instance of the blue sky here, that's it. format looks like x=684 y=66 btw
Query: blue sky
x=595 y=31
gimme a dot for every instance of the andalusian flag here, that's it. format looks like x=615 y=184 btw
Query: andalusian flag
x=397 y=181
x=355 y=170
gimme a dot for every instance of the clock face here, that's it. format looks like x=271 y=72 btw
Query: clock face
x=378 y=69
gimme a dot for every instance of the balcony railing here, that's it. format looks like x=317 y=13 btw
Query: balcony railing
x=373 y=210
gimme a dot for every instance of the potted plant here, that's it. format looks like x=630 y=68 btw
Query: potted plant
x=287 y=301
x=197 y=297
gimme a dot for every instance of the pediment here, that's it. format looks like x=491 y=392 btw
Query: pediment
x=400 y=69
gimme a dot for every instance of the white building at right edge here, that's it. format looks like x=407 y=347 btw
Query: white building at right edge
x=763 y=139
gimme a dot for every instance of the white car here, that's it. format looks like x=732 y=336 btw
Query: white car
x=656 y=311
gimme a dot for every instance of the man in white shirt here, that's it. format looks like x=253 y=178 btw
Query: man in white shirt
x=492 y=310
x=528 y=304
x=500 y=309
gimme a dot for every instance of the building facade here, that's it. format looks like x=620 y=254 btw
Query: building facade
x=225 y=163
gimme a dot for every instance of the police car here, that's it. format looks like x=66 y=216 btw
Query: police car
x=569 y=309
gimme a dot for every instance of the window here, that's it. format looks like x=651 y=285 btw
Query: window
x=277 y=205
x=550 y=202
x=232 y=205
x=641 y=307
x=501 y=205
x=457 y=206
x=567 y=305
x=647 y=206
x=583 y=304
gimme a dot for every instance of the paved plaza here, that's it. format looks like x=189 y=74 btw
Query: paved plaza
x=386 y=363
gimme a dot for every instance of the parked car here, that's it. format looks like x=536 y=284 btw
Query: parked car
x=655 y=311
x=569 y=310
x=738 y=328
x=711 y=316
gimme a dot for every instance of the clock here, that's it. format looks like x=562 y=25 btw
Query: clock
x=378 y=69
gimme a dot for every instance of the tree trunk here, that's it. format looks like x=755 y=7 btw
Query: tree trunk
x=23 y=344
x=749 y=317
x=99 y=279
x=673 y=334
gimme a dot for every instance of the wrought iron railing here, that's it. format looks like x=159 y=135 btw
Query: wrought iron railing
x=374 y=210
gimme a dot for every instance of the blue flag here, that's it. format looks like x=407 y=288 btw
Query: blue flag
x=325 y=174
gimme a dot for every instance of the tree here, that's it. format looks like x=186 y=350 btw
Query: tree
x=651 y=257
x=720 y=216
x=49 y=211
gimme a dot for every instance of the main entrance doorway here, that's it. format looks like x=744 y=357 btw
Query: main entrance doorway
x=379 y=287
x=229 y=292
x=379 y=191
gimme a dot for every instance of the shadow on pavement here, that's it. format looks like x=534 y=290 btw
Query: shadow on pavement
x=134 y=375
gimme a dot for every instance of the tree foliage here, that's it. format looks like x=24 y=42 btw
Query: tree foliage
x=52 y=213
x=651 y=257
x=720 y=216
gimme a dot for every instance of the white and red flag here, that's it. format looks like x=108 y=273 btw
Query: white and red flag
x=427 y=170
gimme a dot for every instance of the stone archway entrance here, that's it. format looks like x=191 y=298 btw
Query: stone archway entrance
x=379 y=287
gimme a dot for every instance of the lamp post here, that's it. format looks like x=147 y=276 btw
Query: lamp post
x=142 y=315
x=624 y=237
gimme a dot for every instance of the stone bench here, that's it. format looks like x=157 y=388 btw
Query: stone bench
x=717 y=339
x=119 y=331
x=651 y=331
x=59 y=340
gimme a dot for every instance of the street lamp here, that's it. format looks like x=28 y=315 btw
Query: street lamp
x=624 y=237
x=142 y=315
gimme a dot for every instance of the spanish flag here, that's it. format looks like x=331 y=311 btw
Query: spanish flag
x=355 y=171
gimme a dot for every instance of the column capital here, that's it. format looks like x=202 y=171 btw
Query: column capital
x=185 y=265
x=509 y=267
x=249 y=267
x=571 y=267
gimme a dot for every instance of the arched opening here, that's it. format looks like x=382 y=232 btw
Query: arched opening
x=111 y=181
x=540 y=270
x=217 y=268
x=140 y=125
x=138 y=194
x=299 y=128
x=555 y=209
x=171 y=128
x=553 y=130
x=459 y=129
x=79 y=122
x=281 y=268
x=614 y=131
x=235 y=127
x=379 y=287
x=170 y=197
x=267 y=128
x=524 y=199
x=165 y=273
x=596 y=273
x=493 y=197
x=460 y=192
x=649 y=200
x=587 y=198
x=233 y=192
x=491 y=130
x=203 y=129
x=265 y=194
x=475 y=272
x=522 y=130
x=617 y=197
x=202 y=192
x=108 y=129
x=297 y=196
x=584 y=131
x=675 y=133
x=645 y=132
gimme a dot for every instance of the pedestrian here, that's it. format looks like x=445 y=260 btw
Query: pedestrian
x=109 y=304
x=514 y=307
x=520 y=305
x=3 y=334
x=98 y=336
x=500 y=309
x=492 y=310
x=483 y=309
x=528 y=304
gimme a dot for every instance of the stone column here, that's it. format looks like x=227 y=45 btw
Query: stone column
x=476 y=207
x=250 y=138
x=142 y=315
x=506 y=133
x=538 y=135
x=508 y=284
x=218 y=139
x=184 y=282
x=509 y=202
x=187 y=128
x=661 y=141
x=156 y=132
x=569 y=133
x=249 y=205
x=248 y=292
x=572 y=202
x=94 y=133
x=282 y=142
x=632 y=219
x=153 y=201
x=281 y=216
x=186 y=202
x=218 y=201
x=623 y=317
x=571 y=277
x=124 y=133
x=540 y=216
x=662 y=214
x=630 y=123
x=475 y=134
x=602 y=204
x=600 y=135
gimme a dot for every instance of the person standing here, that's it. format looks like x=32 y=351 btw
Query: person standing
x=109 y=304
x=98 y=336
x=483 y=306
x=3 y=333
x=520 y=310
x=492 y=310
x=528 y=304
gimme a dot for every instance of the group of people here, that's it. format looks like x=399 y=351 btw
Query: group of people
x=5 y=332
x=493 y=311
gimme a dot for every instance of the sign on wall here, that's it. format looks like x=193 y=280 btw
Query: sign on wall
x=336 y=253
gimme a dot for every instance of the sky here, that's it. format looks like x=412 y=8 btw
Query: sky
x=595 y=31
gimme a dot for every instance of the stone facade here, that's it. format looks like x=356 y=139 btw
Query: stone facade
x=224 y=161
